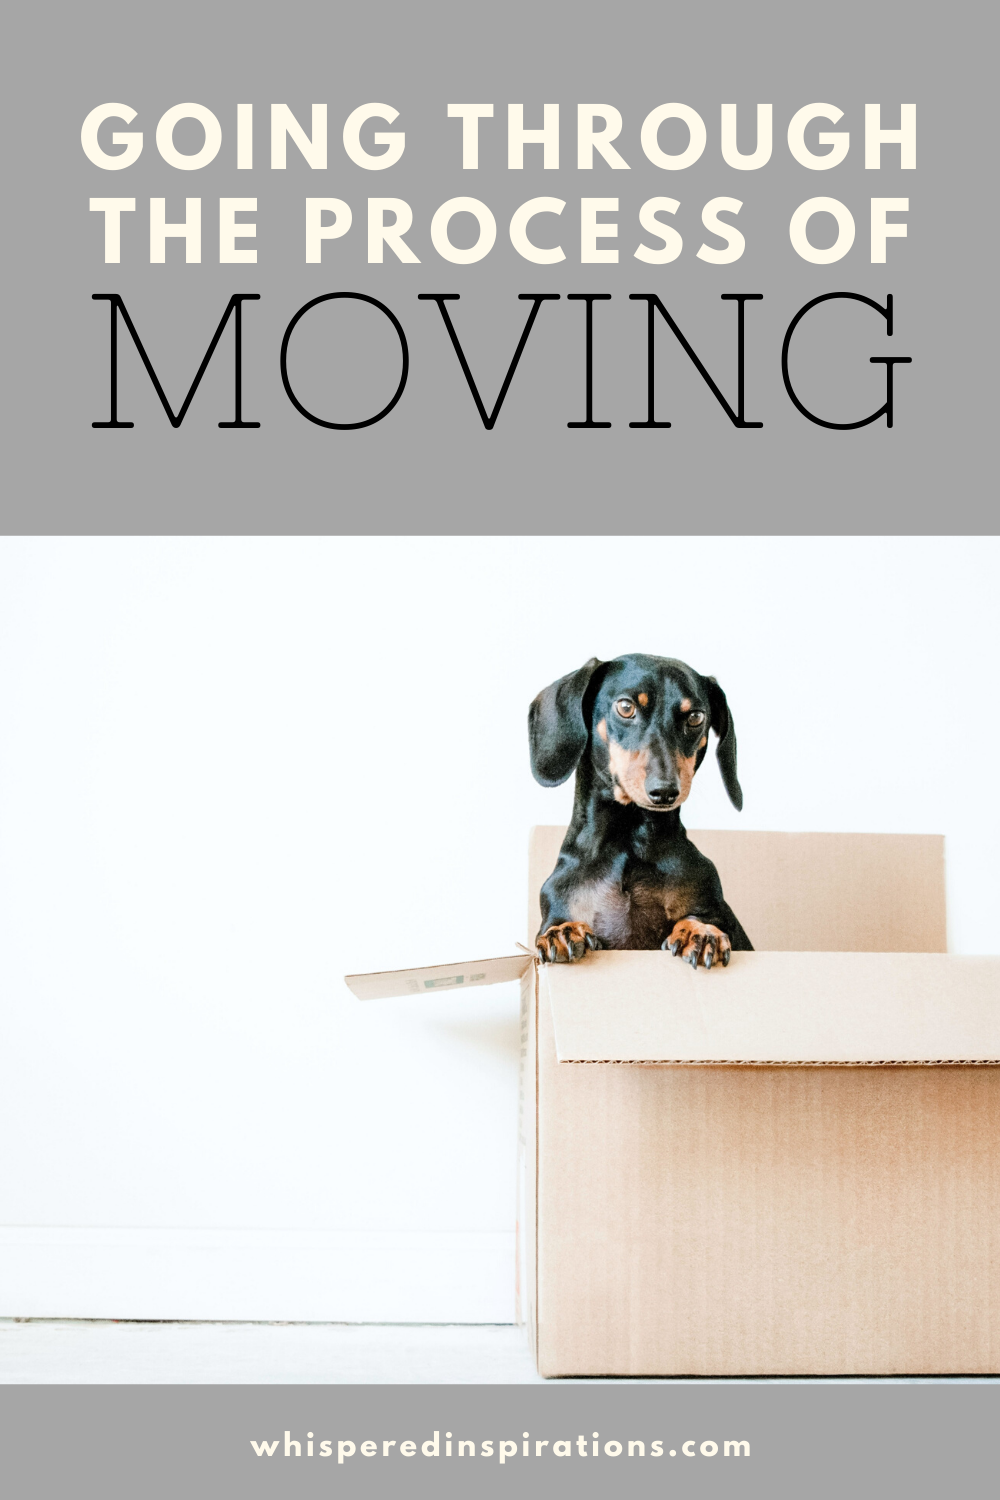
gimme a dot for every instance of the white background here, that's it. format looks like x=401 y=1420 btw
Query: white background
x=233 y=770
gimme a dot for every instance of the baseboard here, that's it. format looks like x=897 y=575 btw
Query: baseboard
x=267 y=1275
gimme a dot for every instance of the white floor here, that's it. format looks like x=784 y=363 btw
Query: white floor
x=44 y=1351
x=78 y=1351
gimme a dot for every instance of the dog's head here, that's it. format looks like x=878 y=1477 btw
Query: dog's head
x=643 y=720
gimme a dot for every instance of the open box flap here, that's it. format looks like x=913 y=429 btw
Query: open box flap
x=776 y=1008
x=428 y=981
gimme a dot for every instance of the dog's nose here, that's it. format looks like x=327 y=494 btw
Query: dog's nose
x=660 y=793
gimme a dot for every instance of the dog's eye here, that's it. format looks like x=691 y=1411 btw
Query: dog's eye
x=695 y=721
x=625 y=708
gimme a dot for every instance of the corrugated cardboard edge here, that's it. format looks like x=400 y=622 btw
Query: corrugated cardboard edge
x=533 y=1326
x=527 y=1167
x=778 y=1062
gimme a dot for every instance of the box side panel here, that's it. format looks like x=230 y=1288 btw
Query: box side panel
x=777 y=1221
x=814 y=892
x=833 y=892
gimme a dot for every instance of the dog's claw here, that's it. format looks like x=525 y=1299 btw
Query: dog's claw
x=725 y=958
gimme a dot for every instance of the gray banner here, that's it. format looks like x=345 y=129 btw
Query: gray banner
x=430 y=466
x=766 y=1440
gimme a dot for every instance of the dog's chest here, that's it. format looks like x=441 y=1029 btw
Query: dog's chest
x=632 y=911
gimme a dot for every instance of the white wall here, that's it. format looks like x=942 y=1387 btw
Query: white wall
x=233 y=770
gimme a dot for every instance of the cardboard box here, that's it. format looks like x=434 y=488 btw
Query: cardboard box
x=787 y=1167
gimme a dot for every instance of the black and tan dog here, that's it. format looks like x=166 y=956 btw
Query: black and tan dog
x=635 y=730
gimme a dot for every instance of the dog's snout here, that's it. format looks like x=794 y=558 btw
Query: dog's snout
x=662 y=793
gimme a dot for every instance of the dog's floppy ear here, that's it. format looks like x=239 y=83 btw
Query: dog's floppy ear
x=722 y=722
x=557 y=729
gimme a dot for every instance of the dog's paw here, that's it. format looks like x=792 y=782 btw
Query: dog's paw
x=698 y=943
x=566 y=942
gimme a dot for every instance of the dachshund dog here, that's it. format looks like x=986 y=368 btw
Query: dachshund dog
x=635 y=730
